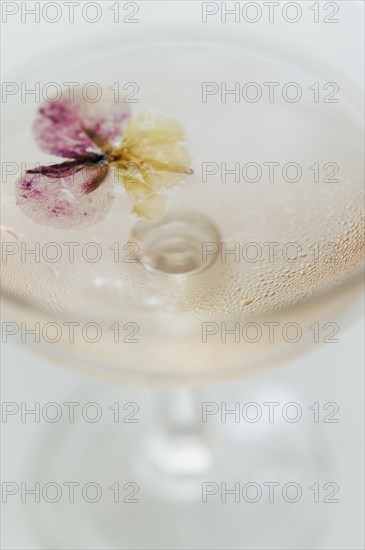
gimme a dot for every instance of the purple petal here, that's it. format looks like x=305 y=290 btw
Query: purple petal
x=60 y=195
x=75 y=127
x=58 y=131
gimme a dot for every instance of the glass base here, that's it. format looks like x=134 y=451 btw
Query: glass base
x=232 y=487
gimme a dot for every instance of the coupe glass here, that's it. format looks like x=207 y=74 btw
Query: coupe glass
x=190 y=299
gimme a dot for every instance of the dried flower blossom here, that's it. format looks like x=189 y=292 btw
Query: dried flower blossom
x=145 y=151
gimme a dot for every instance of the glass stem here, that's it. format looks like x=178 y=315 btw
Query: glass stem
x=177 y=446
x=178 y=411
